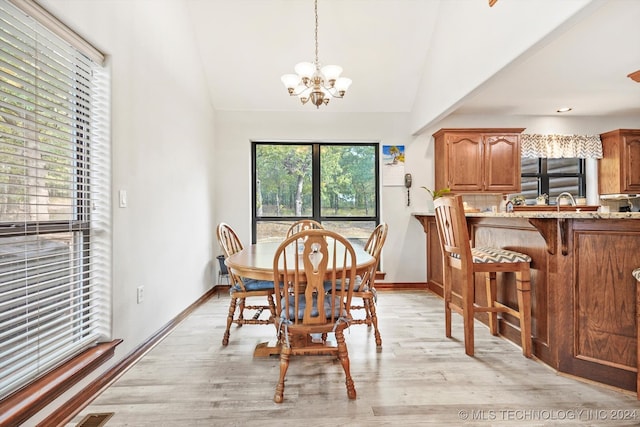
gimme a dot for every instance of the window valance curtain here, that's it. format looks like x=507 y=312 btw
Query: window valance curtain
x=561 y=146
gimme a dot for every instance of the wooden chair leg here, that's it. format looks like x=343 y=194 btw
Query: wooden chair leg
x=447 y=307
x=523 y=284
x=232 y=310
x=366 y=306
x=343 y=355
x=490 y=284
x=285 y=354
x=468 y=300
x=272 y=306
x=241 y=312
x=374 y=320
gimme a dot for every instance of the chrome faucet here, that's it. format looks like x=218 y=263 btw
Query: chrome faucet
x=565 y=194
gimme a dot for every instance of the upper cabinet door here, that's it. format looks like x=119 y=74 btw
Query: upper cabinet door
x=502 y=163
x=465 y=162
x=632 y=161
x=619 y=168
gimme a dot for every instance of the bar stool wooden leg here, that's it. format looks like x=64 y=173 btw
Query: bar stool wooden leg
x=638 y=340
x=468 y=302
x=636 y=275
x=490 y=284
x=523 y=285
x=447 y=307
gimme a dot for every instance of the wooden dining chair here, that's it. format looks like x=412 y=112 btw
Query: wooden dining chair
x=458 y=254
x=303 y=224
x=365 y=291
x=243 y=288
x=303 y=307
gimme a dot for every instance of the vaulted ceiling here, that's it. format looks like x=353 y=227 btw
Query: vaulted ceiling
x=430 y=58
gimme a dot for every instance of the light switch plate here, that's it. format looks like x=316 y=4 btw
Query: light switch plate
x=122 y=196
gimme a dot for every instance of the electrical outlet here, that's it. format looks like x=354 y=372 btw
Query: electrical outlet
x=139 y=294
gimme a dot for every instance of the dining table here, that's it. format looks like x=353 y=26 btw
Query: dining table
x=256 y=262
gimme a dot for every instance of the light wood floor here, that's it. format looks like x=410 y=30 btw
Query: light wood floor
x=419 y=378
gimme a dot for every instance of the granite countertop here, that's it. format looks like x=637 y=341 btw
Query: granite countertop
x=546 y=214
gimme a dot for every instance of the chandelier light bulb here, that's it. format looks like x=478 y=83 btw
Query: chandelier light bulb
x=331 y=73
x=305 y=69
x=290 y=81
x=342 y=84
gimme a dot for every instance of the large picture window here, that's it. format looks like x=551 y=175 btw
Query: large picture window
x=54 y=200
x=335 y=184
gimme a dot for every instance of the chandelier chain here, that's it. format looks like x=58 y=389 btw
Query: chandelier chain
x=316 y=34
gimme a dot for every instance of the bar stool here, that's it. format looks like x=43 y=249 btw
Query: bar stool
x=636 y=275
x=457 y=253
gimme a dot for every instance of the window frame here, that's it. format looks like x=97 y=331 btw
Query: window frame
x=315 y=182
x=543 y=176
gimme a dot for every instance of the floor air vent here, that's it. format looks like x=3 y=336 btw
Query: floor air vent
x=95 y=420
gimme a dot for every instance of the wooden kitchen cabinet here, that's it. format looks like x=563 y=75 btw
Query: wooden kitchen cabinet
x=619 y=168
x=478 y=160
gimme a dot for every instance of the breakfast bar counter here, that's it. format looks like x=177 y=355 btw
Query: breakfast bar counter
x=584 y=300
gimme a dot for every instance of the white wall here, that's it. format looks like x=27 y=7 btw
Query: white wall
x=470 y=67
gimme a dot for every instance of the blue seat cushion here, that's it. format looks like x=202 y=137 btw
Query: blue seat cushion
x=254 y=285
x=327 y=284
x=302 y=304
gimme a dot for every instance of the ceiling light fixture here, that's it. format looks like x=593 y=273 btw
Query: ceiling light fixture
x=314 y=83
x=564 y=110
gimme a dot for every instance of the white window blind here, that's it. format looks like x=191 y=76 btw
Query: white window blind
x=54 y=200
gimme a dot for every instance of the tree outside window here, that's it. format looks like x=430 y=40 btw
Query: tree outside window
x=335 y=184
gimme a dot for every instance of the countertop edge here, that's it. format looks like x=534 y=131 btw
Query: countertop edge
x=545 y=214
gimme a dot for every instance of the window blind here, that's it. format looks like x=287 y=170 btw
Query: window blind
x=54 y=200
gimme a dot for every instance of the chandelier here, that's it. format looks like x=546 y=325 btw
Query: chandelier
x=314 y=83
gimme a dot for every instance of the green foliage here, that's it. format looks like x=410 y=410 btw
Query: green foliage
x=518 y=200
x=284 y=179
x=437 y=193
